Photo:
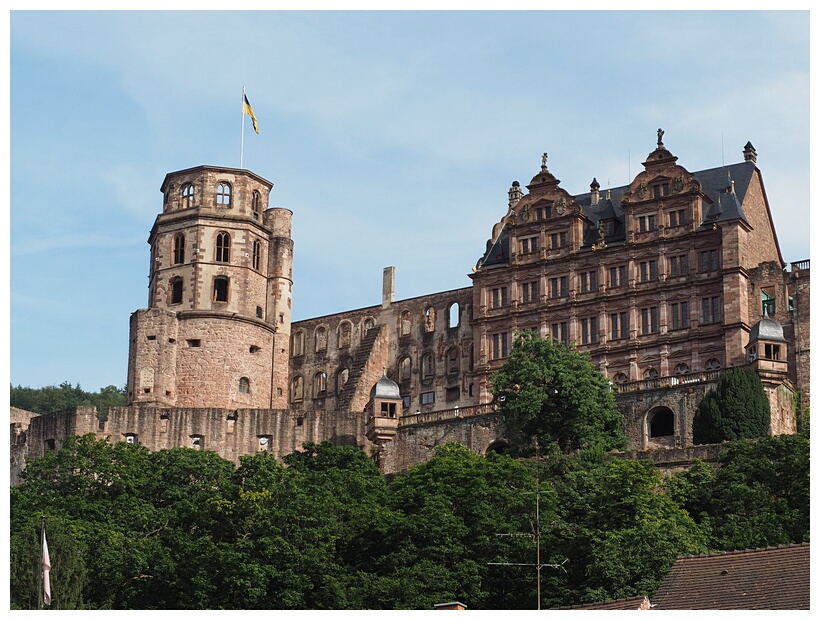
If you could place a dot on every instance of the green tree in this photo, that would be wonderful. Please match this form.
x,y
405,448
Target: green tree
x,y
554,394
57,398
757,497
736,409
618,528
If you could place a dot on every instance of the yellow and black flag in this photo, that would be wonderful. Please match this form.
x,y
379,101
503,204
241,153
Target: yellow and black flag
x,y
249,111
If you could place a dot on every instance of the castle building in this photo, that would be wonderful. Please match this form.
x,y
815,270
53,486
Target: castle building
x,y
665,282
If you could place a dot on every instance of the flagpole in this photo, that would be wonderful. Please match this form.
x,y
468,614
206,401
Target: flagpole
x,y
40,563
242,138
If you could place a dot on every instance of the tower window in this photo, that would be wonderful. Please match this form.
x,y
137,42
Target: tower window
x,y
179,248
257,253
258,312
223,194
176,290
244,385
187,196
223,247
221,288
255,208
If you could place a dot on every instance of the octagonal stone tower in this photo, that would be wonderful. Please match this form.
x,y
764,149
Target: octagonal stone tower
x,y
216,332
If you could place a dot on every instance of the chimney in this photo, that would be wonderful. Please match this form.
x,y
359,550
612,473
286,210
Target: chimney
x,y
455,605
749,153
388,286
515,194
595,196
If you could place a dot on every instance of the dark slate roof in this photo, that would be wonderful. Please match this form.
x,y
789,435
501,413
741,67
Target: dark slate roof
x,y
631,603
385,388
771,578
766,329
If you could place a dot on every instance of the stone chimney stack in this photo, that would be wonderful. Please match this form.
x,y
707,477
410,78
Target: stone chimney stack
x,y
515,194
749,153
388,286
595,196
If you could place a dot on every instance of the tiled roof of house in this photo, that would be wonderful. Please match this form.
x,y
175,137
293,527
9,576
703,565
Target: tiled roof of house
x,y
771,578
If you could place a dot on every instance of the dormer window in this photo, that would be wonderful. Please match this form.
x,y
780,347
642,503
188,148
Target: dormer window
x,y
661,189
223,194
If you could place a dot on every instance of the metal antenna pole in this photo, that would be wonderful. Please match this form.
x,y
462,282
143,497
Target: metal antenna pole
x,y
242,138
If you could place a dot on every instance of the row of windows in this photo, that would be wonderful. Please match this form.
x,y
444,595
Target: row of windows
x,y
618,325
587,281
428,366
220,292
405,325
297,344
224,193
222,250
319,386
648,223
680,369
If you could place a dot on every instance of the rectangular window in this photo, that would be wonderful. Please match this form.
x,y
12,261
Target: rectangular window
x,y
589,281
559,287
500,346
428,398
710,309
529,245
646,223
678,266
677,218
617,276
589,330
562,239
529,292
662,189
500,299
618,326
539,214
708,261
680,315
649,271
649,321
560,332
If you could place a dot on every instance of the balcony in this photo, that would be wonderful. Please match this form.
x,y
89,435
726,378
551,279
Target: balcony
x,y
443,415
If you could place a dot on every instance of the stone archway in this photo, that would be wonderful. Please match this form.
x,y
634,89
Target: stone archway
x,y
660,427
499,446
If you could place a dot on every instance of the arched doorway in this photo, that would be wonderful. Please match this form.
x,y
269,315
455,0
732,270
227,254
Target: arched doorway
x,y
499,446
660,426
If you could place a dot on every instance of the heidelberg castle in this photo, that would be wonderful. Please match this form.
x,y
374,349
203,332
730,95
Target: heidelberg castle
x,y
665,282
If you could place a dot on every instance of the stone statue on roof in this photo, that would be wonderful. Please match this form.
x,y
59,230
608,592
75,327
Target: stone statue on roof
x,y
544,160
660,136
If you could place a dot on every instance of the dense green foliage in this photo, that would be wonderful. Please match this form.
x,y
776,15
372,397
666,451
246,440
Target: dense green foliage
x,y
736,409
552,393
758,497
56,398
186,529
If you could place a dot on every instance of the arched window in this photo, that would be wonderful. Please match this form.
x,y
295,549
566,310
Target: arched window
x,y
453,315
179,248
368,325
406,323
345,329
244,385
712,364
223,247
257,253
223,194
341,379
620,378
405,367
320,339
176,290
221,288
650,373
297,346
681,369
430,319
319,384
452,361
428,369
297,390
255,204
187,196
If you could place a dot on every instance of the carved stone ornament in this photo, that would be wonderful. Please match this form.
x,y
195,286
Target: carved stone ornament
x,y
677,183
561,206
641,191
525,214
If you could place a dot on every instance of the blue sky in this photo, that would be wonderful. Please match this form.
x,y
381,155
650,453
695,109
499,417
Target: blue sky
x,y
392,136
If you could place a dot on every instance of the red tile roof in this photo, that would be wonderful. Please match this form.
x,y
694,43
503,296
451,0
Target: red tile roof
x,y
771,578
